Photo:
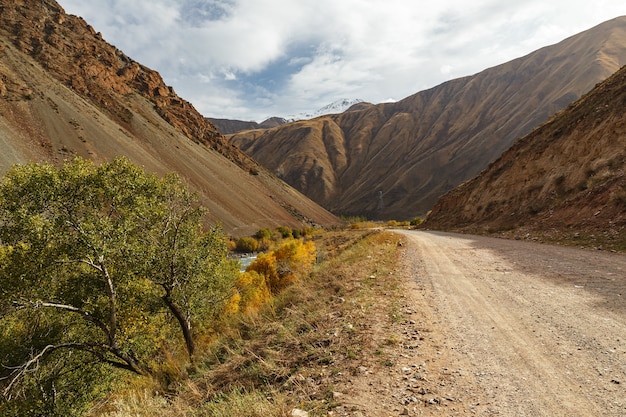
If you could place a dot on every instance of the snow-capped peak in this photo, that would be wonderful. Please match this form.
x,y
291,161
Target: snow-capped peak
x,y
335,107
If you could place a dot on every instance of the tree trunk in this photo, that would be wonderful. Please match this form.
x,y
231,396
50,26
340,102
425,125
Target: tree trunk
x,y
183,321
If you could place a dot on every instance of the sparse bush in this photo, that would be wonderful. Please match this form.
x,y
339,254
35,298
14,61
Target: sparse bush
x,y
284,265
247,244
263,234
284,231
417,221
363,225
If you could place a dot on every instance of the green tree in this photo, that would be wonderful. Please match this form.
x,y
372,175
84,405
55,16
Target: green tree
x,y
95,261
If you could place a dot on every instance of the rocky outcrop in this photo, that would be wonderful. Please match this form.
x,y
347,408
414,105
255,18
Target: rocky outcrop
x,y
74,53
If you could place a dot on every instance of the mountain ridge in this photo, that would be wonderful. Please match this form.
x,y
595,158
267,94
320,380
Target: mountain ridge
x,y
231,126
414,150
566,180
338,106
65,92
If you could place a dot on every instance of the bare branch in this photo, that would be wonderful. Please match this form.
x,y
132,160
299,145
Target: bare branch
x,y
65,307
88,261
32,365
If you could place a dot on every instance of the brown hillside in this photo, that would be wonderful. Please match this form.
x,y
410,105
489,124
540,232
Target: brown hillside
x,y
228,126
64,91
567,179
415,150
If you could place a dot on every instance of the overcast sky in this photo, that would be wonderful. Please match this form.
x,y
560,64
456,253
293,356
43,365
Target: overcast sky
x,y
252,59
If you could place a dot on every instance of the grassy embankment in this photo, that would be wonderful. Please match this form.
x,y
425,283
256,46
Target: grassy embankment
x,y
296,350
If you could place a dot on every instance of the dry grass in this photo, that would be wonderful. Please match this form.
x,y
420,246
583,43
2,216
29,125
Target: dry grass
x,y
293,353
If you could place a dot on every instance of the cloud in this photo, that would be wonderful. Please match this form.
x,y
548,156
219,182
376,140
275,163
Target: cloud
x,y
251,59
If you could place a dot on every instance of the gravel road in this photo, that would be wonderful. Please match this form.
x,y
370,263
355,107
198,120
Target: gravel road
x,y
536,330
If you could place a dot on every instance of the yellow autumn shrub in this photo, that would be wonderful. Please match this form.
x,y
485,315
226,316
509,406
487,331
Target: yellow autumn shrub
x,y
283,266
252,292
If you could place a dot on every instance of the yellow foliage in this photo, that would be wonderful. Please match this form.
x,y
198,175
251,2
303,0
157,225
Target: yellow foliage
x,y
253,291
232,306
247,244
285,265
265,266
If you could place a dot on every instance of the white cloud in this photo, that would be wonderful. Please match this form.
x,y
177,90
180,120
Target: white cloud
x,y
250,59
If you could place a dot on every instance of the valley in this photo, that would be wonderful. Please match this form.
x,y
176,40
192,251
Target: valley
x,y
376,322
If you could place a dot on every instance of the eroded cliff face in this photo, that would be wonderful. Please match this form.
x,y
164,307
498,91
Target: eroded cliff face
x,y
74,53
565,180
413,151
64,91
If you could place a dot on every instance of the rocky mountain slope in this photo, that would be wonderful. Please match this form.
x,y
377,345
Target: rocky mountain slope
x,y
229,126
395,160
565,180
64,91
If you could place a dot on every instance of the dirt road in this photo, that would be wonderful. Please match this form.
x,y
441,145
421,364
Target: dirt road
x,y
527,329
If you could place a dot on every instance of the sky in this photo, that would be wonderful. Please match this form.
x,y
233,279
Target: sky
x,y
253,59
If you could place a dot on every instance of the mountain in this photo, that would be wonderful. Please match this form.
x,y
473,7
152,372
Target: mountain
x,y
335,107
565,180
228,126
394,160
64,91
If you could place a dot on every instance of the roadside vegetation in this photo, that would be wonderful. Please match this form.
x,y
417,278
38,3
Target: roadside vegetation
x,y
116,301
291,353
361,222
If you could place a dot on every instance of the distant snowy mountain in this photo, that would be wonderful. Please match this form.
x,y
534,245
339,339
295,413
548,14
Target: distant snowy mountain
x,y
338,106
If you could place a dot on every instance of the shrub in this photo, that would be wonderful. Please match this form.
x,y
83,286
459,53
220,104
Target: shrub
x,y
247,244
416,221
284,231
250,295
284,265
263,234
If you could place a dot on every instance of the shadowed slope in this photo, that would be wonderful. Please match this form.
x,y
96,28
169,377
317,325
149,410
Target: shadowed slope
x,y
415,150
567,179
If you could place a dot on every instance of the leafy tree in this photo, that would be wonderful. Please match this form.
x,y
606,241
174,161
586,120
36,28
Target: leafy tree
x,y
95,261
